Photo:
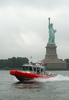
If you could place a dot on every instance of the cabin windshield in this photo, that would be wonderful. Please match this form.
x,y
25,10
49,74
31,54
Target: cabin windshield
x,y
42,70
27,68
38,69
34,68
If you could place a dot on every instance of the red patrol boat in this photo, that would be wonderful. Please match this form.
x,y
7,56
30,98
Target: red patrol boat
x,y
30,72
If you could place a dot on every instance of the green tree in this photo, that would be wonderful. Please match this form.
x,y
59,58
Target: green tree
x,y
67,60
13,62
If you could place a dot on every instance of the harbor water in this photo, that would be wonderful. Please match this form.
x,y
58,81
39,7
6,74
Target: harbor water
x,y
39,89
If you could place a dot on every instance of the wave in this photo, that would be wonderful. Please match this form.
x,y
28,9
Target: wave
x,y
57,78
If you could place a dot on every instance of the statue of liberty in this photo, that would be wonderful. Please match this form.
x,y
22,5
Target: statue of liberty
x,y
51,39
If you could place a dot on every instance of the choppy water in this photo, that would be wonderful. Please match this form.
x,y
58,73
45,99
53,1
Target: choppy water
x,y
42,89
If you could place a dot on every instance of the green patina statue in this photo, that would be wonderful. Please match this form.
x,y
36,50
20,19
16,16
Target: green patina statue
x,y
51,39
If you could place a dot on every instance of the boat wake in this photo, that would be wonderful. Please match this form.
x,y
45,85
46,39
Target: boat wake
x,y
57,78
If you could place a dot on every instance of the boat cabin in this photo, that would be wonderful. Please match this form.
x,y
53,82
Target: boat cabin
x,y
35,69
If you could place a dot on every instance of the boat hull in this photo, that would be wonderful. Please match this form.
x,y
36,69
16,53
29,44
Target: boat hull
x,y
22,76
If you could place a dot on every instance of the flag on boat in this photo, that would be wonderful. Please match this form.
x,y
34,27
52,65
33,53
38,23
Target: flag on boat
x,y
30,57
43,63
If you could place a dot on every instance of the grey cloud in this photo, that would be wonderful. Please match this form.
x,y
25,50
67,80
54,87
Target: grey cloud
x,y
29,18
50,4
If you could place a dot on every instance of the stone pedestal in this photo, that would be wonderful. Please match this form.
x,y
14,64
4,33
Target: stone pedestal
x,y
51,58
51,52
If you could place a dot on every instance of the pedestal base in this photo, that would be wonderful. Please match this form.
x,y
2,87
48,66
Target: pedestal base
x,y
51,59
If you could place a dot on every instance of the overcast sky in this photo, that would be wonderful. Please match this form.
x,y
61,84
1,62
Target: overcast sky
x,y
24,28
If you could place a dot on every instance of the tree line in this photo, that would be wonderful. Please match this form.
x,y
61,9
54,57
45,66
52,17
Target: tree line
x,y
13,62
67,60
16,62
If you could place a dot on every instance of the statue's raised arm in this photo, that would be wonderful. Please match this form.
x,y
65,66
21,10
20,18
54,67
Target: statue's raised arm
x,y
51,39
49,22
